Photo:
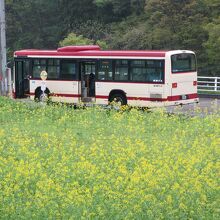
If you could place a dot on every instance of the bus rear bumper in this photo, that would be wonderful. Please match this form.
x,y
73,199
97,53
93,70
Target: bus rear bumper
x,y
185,102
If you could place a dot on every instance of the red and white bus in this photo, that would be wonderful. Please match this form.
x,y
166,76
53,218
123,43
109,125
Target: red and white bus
x,y
80,74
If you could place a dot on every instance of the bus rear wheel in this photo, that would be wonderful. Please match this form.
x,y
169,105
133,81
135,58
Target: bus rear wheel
x,y
118,100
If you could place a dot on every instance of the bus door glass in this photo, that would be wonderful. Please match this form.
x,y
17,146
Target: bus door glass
x,y
88,70
22,86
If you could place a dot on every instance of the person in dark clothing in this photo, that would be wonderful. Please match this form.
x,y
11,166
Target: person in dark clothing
x,y
91,84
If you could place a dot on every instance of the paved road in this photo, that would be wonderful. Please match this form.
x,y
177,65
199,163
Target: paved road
x,y
205,105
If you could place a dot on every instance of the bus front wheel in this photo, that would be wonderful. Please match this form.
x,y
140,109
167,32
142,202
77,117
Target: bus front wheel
x,y
118,99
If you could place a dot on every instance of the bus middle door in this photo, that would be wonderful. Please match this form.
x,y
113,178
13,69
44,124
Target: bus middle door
x,y
87,71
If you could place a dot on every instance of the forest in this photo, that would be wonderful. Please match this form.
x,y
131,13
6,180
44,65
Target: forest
x,y
114,24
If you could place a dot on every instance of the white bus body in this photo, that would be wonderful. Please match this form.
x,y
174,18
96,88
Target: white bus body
x,y
175,73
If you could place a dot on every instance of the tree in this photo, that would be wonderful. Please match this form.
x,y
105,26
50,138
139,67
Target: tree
x,y
125,24
73,39
122,8
214,8
33,24
183,21
76,12
212,46
92,29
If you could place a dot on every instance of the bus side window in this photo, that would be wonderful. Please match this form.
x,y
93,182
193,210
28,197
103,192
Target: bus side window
x,y
38,66
105,70
68,70
138,71
53,69
155,71
121,70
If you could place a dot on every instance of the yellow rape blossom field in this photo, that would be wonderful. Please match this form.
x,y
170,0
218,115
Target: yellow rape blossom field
x,y
57,162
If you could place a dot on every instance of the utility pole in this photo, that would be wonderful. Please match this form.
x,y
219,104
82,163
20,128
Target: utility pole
x,y
3,60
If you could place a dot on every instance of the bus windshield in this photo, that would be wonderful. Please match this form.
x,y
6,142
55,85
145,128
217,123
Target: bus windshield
x,y
185,62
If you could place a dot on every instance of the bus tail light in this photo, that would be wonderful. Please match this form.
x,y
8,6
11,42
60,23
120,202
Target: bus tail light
x,y
195,83
174,85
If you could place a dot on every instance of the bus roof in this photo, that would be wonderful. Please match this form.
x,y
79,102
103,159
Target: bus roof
x,y
88,51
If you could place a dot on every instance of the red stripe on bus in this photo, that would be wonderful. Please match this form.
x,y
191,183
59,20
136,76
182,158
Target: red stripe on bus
x,y
66,95
179,97
146,99
169,98
62,95
128,82
92,53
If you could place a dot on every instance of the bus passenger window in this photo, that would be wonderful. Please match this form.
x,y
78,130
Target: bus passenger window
x,y
138,74
53,72
121,70
154,75
38,66
155,71
138,71
68,70
105,70
53,69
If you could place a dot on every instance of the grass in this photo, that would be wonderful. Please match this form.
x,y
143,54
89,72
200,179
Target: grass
x,y
209,92
61,163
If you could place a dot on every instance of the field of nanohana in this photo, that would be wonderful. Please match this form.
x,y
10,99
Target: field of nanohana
x,y
57,162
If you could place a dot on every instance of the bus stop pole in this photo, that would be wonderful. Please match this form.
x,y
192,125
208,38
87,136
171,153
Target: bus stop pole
x,y
3,59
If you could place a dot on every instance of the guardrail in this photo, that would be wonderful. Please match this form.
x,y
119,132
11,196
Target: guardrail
x,y
208,84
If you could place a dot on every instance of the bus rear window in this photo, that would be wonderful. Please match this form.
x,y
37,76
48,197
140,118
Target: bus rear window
x,y
183,63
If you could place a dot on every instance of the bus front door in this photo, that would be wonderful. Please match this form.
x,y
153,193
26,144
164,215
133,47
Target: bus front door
x,y
87,70
22,86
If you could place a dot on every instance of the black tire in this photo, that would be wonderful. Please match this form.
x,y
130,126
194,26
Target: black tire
x,y
118,98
